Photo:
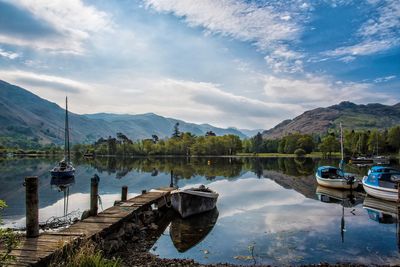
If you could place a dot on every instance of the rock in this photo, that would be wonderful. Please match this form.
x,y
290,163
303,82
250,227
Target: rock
x,y
117,235
153,226
111,245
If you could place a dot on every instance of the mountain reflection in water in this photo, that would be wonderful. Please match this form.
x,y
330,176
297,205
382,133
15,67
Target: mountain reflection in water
x,y
268,204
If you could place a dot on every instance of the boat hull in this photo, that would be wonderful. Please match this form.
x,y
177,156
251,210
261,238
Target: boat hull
x,y
62,174
380,192
188,202
336,183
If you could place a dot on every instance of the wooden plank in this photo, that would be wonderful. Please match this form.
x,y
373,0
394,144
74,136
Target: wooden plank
x,y
101,220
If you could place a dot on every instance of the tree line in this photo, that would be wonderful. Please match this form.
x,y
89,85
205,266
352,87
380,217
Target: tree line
x,y
180,143
361,142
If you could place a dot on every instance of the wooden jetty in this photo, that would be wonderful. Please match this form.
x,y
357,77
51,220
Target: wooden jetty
x,y
38,251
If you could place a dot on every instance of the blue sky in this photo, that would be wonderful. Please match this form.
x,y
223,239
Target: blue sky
x,y
247,64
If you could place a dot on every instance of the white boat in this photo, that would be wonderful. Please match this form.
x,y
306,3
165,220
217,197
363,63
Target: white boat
x,y
382,184
335,177
192,201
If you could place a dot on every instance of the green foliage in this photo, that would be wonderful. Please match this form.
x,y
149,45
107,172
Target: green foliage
x,y
300,152
93,260
329,144
86,256
8,241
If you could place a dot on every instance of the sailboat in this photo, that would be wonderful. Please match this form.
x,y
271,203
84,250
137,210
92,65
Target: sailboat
x,y
336,177
65,168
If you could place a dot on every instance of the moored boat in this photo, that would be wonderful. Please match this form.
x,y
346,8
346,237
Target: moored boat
x,y
64,168
192,201
330,176
382,183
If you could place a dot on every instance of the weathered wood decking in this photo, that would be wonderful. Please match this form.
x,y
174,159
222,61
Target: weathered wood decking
x,y
37,251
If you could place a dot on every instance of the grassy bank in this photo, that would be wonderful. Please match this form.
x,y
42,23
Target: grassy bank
x,y
282,155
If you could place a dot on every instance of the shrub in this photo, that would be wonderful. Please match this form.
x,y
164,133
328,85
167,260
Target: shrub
x,y
299,152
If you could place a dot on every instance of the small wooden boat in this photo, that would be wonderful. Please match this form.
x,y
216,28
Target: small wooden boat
x,y
334,177
192,201
64,168
362,160
382,183
381,160
187,233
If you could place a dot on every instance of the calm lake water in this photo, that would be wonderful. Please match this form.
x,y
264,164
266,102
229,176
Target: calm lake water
x,y
270,211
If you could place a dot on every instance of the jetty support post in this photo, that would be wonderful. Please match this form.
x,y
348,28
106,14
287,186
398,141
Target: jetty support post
x,y
94,194
171,183
398,192
32,206
124,193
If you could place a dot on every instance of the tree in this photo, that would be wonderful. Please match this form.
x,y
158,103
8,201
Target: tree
x,y
155,138
299,152
210,133
257,142
176,133
394,138
306,143
329,144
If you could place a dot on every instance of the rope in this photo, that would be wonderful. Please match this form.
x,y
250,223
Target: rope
x,y
100,202
166,202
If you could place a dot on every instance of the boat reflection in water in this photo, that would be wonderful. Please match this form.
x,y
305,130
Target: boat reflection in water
x,y
384,212
62,185
345,198
187,233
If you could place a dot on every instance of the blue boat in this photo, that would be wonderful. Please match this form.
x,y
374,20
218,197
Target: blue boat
x,y
64,168
382,182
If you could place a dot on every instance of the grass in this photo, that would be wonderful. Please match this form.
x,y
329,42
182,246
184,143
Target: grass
x,y
87,255
282,155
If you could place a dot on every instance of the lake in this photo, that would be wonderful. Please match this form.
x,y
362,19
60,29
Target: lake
x,y
270,210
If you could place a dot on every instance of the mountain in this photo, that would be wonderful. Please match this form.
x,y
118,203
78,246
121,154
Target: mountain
x,y
25,115
353,116
144,125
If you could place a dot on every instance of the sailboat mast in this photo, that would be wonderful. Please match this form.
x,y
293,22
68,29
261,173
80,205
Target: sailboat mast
x,y
341,141
67,149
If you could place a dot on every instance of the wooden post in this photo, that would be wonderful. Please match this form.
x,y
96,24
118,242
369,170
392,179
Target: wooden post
x,y
398,192
144,191
94,193
124,193
32,206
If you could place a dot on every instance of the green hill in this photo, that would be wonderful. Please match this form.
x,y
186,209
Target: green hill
x,y
353,116
27,116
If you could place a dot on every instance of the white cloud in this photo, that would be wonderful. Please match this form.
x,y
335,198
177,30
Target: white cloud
x,y
384,79
317,91
267,25
367,47
284,60
263,25
37,82
380,33
9,54
73,20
